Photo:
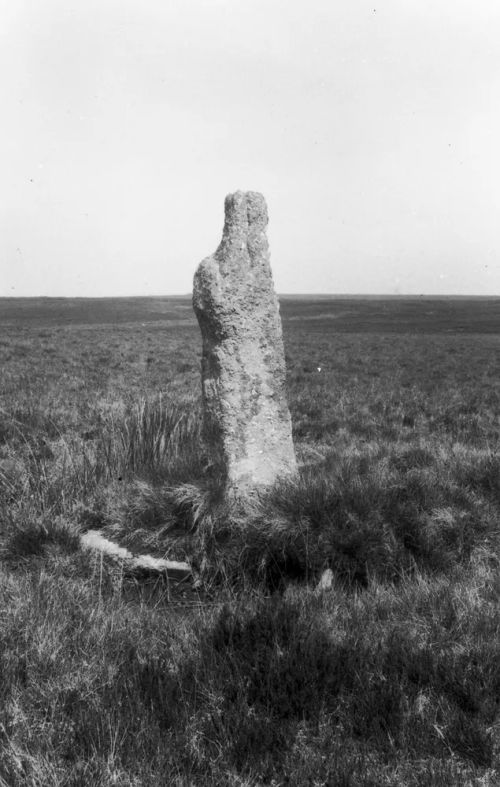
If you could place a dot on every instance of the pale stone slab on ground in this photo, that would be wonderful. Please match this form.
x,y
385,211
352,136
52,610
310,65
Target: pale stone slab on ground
x,y
175,570
326,581
247,420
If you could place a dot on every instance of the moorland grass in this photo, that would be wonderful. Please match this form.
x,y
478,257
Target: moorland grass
x,y
392,677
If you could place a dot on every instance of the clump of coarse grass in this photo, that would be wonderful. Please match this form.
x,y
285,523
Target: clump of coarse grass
x,y
156,518
479,470
363,517
24,539
116,479
381,511
157,439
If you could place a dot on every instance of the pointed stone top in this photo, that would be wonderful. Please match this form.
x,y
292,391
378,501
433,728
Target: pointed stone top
x,y
245,223
248,205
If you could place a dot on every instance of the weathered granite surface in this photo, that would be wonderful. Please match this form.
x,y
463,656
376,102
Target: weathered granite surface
x,y
247,419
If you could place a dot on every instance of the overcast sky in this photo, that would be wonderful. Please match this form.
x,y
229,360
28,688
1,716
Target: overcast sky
x,y
372,129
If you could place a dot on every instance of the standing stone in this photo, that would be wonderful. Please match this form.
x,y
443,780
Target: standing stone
x,y
247,420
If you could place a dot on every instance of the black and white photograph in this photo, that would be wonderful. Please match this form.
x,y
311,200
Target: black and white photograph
x,y
250,393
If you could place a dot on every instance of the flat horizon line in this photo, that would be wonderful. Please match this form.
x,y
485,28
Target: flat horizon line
x,y
290,295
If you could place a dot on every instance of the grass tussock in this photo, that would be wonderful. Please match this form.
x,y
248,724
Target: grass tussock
x,y
379,519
